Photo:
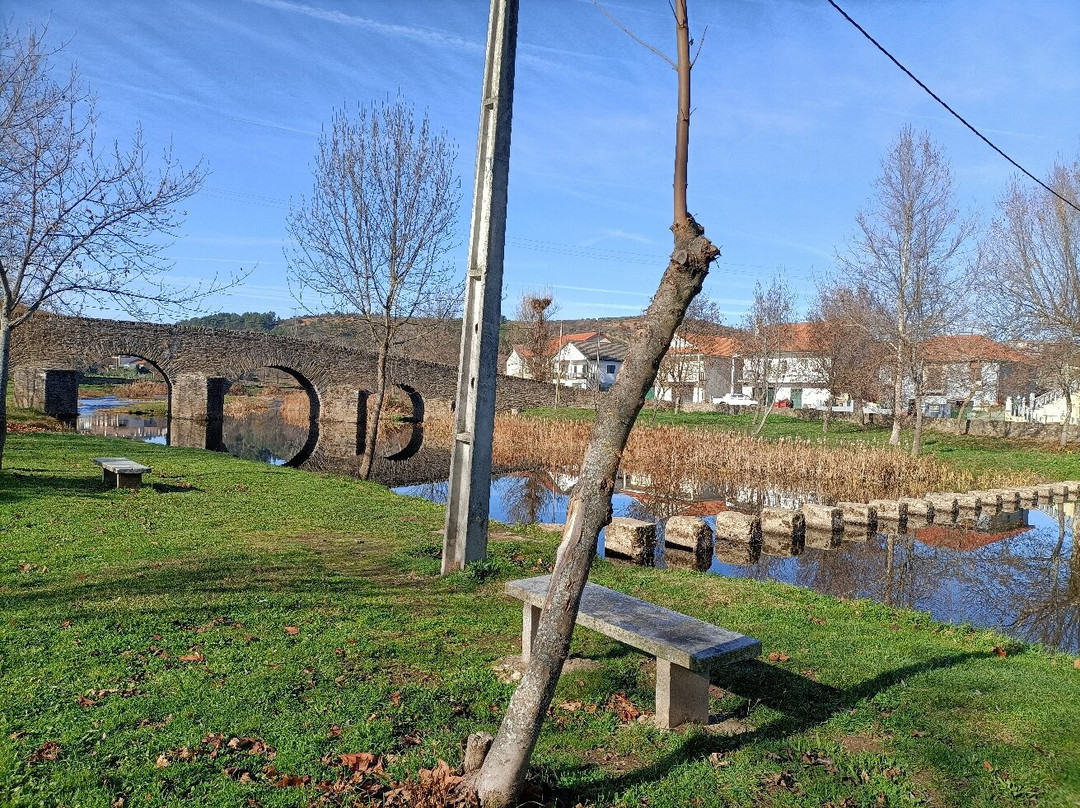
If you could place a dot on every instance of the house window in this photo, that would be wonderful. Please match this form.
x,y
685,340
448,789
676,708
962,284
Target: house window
x,y
610,368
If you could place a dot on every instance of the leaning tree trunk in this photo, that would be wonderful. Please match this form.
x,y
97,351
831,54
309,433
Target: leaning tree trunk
x,y
590,509
371,433
499,780
5,371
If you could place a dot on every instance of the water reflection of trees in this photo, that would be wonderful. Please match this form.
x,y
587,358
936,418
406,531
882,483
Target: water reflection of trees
x,y
529,496
1027,584
263,435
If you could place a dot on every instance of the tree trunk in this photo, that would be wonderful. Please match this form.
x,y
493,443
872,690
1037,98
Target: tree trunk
x,y
764,415
825,416
1064,437
375,412
499,780
960,415
5,374
916,441
590,509
898,395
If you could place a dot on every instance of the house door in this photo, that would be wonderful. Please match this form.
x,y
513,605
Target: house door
x,y
796,398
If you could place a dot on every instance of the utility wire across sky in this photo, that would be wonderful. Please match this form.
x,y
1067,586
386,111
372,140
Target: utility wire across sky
x,y
951,111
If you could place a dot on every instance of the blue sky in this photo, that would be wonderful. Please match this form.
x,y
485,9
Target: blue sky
x,y
793,111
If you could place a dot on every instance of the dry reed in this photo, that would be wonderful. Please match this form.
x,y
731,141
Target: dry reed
x,y
144,388
678,460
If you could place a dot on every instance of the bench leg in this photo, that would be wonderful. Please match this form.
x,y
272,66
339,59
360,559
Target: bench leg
x,y
530,619
109,478
129,480
682,697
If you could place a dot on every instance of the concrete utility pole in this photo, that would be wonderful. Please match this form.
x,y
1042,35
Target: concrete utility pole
x,y
474,411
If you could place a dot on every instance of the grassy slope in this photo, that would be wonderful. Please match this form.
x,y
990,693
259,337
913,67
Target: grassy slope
x,y
305,610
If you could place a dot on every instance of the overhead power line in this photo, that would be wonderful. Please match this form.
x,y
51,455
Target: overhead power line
x,y
951,111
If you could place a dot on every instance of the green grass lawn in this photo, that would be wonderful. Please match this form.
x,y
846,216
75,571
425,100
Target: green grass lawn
x,y
225,634
966,452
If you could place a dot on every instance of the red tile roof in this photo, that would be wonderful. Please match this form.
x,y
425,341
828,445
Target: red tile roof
x,y
968,347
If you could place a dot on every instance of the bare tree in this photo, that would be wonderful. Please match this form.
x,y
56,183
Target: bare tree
x,y
684,366
765,324
909,252
503,771
847,358
532,334
1032,255
80,222
373,236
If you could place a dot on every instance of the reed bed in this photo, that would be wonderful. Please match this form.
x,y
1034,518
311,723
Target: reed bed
x,y
676,461
296,408
138,389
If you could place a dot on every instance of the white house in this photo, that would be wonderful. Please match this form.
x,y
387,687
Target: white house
x,y
697,368
967,367
587,360
794,372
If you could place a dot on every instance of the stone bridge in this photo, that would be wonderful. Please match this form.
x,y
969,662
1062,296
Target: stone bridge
x,y
199,364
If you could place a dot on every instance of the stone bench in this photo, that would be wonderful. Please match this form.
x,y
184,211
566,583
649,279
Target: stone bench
x,y
119,472
686,649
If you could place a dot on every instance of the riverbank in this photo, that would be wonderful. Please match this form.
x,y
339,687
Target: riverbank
x,y
302,615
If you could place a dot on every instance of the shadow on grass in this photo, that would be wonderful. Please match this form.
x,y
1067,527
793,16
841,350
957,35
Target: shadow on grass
x,y
801,702
26,484
208,578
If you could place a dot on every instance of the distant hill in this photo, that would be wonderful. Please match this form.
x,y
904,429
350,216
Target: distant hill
x,y
435,341
248,321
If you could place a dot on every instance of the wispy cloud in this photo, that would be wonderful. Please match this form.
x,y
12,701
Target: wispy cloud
x,y
270,125
427,36
588,304
600,291
619,234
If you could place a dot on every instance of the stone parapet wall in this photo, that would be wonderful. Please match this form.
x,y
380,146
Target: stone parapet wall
x,y
57,342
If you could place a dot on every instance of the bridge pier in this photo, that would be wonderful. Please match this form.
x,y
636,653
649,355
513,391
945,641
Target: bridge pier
x,y
342,417
196,411
55,392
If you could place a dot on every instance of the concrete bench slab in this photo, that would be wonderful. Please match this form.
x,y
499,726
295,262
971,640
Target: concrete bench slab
x,y
119,472
686,649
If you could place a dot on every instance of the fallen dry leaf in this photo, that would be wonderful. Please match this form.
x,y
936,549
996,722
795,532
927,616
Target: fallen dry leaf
x,y
623,708
1076,664
778,656
999,652
161,762
292,630
358,762
48,751
65,624
82,701
988,765
195,657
